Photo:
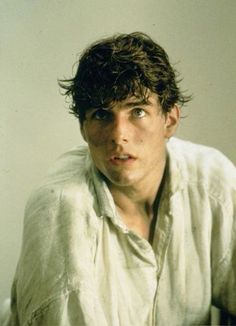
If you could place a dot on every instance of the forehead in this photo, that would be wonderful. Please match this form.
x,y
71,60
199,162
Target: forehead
x,y
134,100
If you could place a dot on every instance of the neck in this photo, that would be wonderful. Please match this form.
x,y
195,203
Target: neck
x,y
141,197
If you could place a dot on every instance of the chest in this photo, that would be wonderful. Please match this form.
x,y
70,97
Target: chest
x,y
139,224
165,283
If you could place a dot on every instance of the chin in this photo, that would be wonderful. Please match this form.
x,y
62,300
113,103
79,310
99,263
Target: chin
x,y
121,181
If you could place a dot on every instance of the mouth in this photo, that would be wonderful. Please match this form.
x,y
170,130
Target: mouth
x,y
122,158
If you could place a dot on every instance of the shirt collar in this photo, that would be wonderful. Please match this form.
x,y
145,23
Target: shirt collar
x,y
175,175
105,199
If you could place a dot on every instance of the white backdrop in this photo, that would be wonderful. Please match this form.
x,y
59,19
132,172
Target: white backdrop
x,y
40,40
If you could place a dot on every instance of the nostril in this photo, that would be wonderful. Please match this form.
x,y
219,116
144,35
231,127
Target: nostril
x,y
118,141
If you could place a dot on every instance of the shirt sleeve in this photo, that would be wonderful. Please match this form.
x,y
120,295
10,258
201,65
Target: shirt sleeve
x,y
53,281
224,242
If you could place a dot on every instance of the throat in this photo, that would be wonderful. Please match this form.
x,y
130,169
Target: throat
x,y
140,216
138,223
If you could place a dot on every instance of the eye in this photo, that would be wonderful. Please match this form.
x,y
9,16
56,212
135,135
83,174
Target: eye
x,y
138,113
101,114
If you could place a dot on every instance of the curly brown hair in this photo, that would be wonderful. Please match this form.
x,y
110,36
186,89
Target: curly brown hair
x,y
120,66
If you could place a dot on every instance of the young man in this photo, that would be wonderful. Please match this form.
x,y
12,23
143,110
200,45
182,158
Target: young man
x,y
136,228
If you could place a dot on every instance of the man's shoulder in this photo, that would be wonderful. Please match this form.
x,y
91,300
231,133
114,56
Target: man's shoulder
x,y
61,206
75,163
68,180
199,162
188,149
66,197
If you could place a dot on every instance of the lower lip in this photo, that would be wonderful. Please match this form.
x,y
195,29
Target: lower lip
x,y
122,162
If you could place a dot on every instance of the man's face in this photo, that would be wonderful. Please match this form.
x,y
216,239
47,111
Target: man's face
x,y
128,141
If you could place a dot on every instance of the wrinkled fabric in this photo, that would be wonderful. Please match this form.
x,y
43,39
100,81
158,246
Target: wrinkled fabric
x,y
80,265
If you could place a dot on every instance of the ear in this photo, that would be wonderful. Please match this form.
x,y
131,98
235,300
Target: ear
x,y
171,121
83,131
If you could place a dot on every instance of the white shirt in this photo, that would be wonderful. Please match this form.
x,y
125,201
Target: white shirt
x,y
80,265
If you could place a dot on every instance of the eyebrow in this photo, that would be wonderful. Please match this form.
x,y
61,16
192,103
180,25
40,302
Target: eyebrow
x,y
128,105
138,102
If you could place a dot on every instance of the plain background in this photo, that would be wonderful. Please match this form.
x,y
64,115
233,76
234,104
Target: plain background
x,y
40,41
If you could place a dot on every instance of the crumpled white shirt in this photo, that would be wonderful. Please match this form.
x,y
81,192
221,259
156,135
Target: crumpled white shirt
x,y
80,265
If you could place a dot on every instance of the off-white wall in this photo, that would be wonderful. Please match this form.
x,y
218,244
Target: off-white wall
x,y
40,40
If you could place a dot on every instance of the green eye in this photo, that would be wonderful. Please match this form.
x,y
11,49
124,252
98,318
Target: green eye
x,y
138,113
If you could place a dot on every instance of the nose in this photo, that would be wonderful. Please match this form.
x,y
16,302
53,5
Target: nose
x,y
119,133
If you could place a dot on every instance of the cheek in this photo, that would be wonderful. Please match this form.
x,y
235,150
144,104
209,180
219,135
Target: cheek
x,y
96,137
151,132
